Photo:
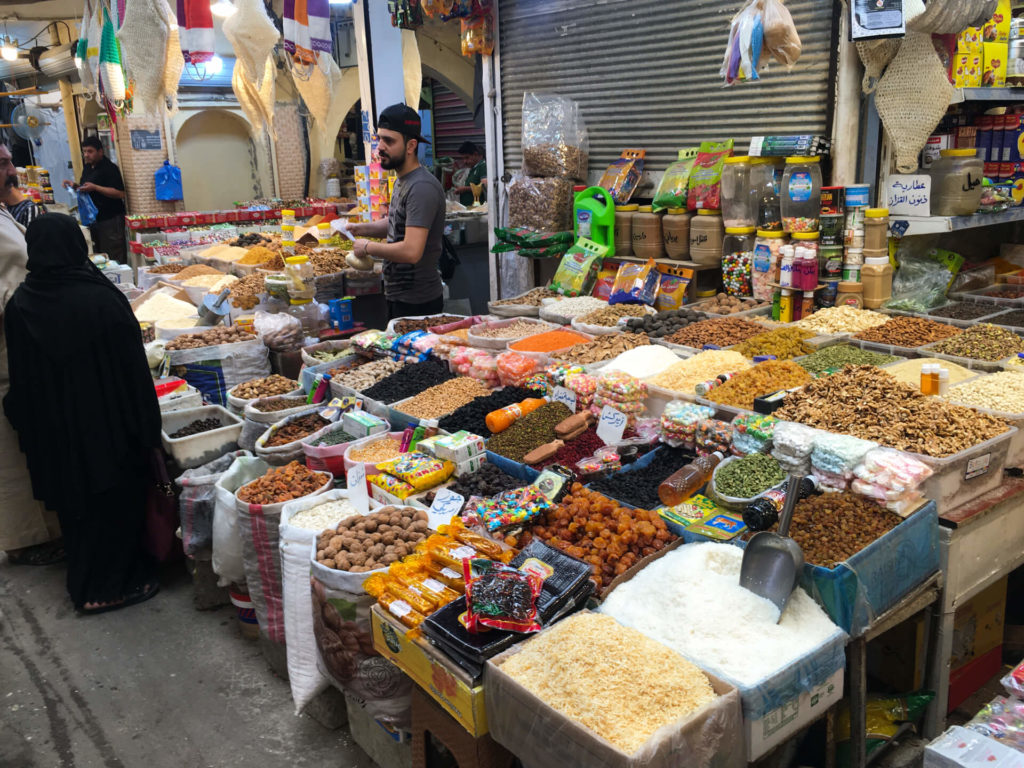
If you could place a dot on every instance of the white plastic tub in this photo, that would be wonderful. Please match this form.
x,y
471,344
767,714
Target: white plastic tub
x,y
195,450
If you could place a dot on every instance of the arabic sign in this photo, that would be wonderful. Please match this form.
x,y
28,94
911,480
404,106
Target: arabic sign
x,y
909,194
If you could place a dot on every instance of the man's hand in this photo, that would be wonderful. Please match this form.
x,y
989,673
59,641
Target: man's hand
x,y
357,229
68,184
460,190
88,187
359,247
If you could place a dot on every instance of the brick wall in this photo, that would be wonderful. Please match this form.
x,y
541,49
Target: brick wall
x,y
138,166
291,152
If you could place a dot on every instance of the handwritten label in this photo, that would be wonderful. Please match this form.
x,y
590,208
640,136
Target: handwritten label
x,y
909,194
566,396
357,494
611,426
446,505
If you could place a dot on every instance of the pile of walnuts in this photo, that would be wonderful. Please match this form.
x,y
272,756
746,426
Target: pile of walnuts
x,y
366,543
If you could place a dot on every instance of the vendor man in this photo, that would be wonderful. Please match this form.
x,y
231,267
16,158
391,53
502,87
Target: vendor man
x,y
102,180
472,158
415,223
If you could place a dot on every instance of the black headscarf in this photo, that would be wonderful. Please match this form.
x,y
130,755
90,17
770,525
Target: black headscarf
x,y
81,396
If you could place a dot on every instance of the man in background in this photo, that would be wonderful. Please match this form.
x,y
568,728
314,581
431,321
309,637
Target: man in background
x,y
102,180
472,158
22,208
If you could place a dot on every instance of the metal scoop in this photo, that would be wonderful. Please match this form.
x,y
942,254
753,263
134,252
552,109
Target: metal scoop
x,y
772,562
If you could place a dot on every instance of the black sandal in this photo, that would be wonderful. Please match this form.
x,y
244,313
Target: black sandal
x,y
134,597
50,553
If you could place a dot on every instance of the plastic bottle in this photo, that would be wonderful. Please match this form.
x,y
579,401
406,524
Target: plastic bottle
x,y
687,480
762,514
926,379
943,380
503,418
786,266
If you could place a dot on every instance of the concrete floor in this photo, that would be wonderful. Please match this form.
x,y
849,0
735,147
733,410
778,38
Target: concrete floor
x,y
157,685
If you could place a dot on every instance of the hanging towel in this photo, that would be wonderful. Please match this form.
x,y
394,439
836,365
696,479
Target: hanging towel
x,y
307,29
195,28
252,36
143,36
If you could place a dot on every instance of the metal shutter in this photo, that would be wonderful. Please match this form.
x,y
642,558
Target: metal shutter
x,y
453,122
645,74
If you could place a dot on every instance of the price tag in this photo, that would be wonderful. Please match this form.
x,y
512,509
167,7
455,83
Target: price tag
x,y
566,396
446,505
611,426
357,493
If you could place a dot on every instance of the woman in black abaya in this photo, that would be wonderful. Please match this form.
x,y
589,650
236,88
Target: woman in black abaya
x,y
83,404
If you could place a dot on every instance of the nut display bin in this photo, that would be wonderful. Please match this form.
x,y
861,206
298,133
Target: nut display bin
x,y
966,475
984,295
990,366
930,315
195,450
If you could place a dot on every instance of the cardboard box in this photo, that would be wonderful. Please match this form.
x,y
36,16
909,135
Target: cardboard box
x,y
994,65
967,70
969,41
469,465
960,747
459,447
978,625
542,737
793,716
447,684
997,29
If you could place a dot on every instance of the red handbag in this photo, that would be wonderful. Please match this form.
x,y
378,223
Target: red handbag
x,y
160,539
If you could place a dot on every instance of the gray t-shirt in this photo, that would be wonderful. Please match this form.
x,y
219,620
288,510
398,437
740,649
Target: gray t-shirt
x,y
418,201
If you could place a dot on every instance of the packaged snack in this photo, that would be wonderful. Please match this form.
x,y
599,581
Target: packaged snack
x,y
393,485
635,284
675,282
477,35
578,268
418,470
540,204
500,597
508,509
606,280
446,552
671,191
515,368
521,237
622,176
487,548
377,587
705,186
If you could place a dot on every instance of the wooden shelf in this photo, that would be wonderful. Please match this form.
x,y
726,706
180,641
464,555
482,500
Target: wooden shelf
x,y
669,262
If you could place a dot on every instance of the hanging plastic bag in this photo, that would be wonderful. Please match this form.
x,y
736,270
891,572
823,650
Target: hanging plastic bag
x,y
922,280
477,36
86,209
167,180
781,40
554,137
743,52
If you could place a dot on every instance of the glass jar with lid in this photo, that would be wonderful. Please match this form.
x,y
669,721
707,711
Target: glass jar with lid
x,y
737,200
801,194
956,182
647,238
706,234
850,293
623,236
764,192
767,255
738,260
675,229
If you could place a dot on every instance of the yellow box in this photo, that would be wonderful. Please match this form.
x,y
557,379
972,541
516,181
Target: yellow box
x,y
969,41
994,65
967,70
431,670
997,29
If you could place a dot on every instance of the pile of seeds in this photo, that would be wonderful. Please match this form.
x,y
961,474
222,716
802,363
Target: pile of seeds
x,y
471,416
516,329
784,343
409,381
273,406
840,355
982,342
444,398
720,331
529,299
964,310
531,431
901,331
639,487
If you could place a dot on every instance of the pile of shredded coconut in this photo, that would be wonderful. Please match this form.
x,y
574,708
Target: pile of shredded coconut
x,y
691,601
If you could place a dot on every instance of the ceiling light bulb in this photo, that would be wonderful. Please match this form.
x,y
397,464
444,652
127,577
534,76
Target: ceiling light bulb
x,y
214,65
8,50
222,8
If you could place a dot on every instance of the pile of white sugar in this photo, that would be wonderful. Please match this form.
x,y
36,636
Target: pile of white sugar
x,y
691,601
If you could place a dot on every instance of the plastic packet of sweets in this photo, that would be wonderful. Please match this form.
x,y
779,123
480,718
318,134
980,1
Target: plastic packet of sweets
x,y
500,597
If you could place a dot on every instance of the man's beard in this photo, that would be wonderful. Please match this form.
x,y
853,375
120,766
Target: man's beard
x,y
11,182
391,163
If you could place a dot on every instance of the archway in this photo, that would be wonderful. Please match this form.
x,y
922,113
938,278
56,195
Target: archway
x,y
218,160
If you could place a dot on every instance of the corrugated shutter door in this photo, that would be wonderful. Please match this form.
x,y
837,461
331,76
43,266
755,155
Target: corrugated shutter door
x,y
453,122
645,74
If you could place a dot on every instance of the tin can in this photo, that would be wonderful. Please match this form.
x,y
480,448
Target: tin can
x,y
851,273
831,262
858,196
827,295
832,228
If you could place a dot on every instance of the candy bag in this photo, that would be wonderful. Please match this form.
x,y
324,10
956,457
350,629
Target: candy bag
x,y
605,280
418,470
671,191
393,485
578,268
508,509
675,282
622,176
500,597
635,284
705,186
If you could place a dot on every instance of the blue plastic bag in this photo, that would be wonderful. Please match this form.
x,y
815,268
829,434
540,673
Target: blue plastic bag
x,y
86,209
167,180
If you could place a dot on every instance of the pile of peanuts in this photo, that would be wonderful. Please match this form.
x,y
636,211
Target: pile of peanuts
x,y
444,398
908,332
265,387
720,331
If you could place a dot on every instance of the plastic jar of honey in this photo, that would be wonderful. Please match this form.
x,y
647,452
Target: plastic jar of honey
x,y
675,230
624,229
706,234
648,242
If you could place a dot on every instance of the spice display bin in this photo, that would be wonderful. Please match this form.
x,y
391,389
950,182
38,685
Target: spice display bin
x,y
930,314
994,320
637,466
516,469
988,366
196,450
857,591
543,737
966,475
981,295
782,704
398,417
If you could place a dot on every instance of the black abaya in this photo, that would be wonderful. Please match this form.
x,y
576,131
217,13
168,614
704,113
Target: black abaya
x,y
83,404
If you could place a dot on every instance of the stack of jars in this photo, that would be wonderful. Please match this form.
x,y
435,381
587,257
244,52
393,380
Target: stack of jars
x,y
876,274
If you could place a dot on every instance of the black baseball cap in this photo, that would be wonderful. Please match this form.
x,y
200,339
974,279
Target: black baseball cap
x,y
403,119
469,148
